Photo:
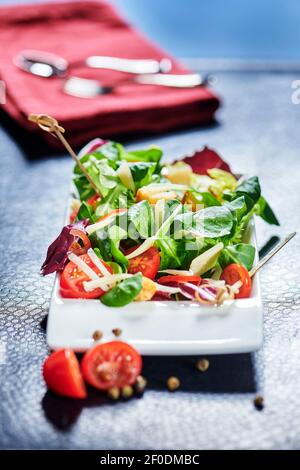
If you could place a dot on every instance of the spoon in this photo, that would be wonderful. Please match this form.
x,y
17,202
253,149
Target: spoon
x,y
47,65
273,252
87,88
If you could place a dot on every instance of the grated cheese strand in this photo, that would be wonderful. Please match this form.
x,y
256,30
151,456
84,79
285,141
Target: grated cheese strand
x,y
177,272
97,262
142,248
99,225
106,282
160,232
168,289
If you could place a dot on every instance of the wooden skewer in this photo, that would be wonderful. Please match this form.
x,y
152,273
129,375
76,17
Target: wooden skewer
x,y
49,124
273,252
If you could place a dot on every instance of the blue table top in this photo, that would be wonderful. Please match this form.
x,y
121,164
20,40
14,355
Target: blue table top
x,y
256,133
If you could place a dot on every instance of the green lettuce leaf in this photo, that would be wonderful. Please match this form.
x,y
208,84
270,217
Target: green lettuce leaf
x,y
213,222
152,154
85,213
140,220
119,197
242,253
142,173
124,292
263,209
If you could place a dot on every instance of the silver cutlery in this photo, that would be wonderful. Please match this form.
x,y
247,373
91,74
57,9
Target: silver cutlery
x,y
146,71
87,88
190,80
46,64
136,66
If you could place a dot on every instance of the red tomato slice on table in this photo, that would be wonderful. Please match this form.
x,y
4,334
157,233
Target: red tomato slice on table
x,y
236,272
72,278
147,263
62,374
178,279
113,364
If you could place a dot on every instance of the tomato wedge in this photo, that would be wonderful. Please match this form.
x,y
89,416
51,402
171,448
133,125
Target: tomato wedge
x,y
113,364
92,201
178,279
72,278
76,247
110,214
62,374
147,263
236,272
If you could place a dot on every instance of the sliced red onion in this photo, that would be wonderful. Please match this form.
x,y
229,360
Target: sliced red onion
x,y
159,295
92,146
188,290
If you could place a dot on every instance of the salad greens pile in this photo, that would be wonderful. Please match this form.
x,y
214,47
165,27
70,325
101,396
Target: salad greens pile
x,y
141,218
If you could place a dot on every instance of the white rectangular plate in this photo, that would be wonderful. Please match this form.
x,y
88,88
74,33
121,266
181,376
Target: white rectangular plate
x,y
160,328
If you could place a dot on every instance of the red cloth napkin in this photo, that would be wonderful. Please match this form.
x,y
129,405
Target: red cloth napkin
x,y
75,30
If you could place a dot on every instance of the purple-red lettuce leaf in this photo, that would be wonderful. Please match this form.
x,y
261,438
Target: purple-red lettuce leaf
x,y
57,253
205,159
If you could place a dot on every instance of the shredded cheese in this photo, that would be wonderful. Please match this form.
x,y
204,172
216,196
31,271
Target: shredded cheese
x,y
160,233
101,224
159,213
105,282
142,248
168,289
97,262
158,188
125,175
177,272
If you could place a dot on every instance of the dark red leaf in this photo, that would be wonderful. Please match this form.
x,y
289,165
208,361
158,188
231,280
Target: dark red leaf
x,y
203,160
57,253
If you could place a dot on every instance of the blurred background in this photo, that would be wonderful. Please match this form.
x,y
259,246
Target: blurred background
x,y
231,29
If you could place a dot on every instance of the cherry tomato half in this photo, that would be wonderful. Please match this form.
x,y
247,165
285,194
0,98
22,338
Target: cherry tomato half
x,y
62,374
147,263
72,278
236,272
178,279
113,364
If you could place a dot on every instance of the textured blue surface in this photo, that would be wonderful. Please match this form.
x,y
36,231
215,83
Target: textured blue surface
x,y
256,134
264,29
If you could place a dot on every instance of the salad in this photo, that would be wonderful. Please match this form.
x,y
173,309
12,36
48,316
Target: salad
x,y
141,230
